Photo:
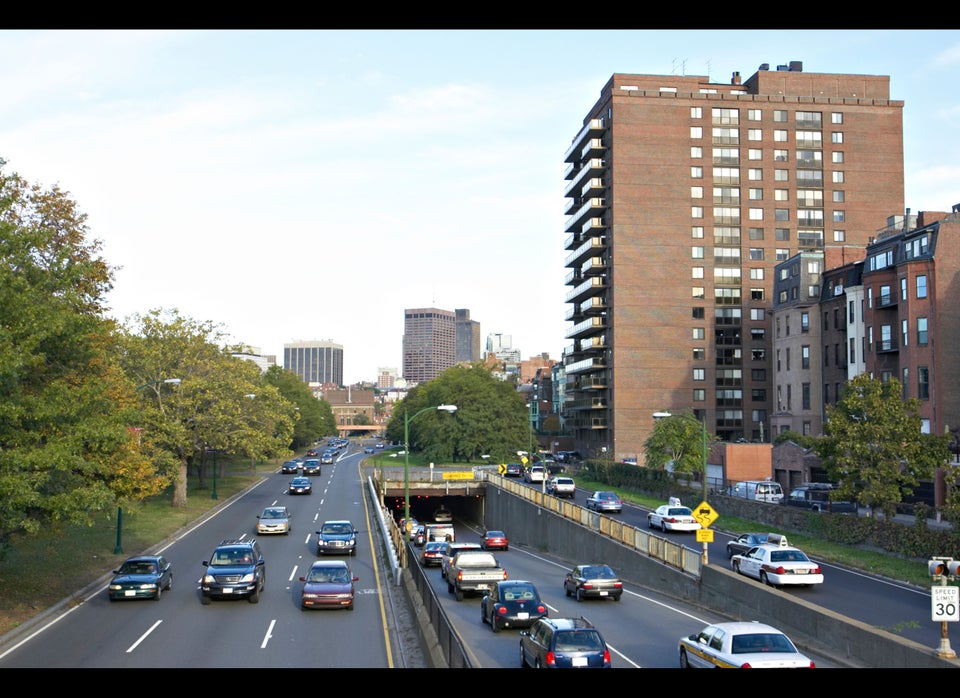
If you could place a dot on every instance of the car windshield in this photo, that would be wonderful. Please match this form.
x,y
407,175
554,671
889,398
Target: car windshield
x,y
494,534
232,556
610,496
788,556
598,572
274,514
140,567
330,575
336,529
680,511
519,592
761,642
580,641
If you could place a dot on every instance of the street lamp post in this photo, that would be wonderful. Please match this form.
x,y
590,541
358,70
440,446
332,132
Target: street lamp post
x,y
406,462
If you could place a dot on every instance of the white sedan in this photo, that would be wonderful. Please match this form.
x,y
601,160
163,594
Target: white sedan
x,y
778,565
741,645
669,517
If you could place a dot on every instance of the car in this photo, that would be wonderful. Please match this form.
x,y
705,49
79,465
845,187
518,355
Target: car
x,y
290,466
569,457
274,520
672,517
442,515
337,536
561,486
438,531
311,466
744,542
512,603
740,645
494,540
326,458
368,449
432,554
450,549
535,473
312,453
513,470
563,643
379,445
816,497
328,584
141,577
236,569
630,460
605,502
778,564
595,581
300,485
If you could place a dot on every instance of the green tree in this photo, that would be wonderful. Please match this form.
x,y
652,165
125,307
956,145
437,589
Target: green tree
x,y
873,446
677,441
314,417
65,450
491,417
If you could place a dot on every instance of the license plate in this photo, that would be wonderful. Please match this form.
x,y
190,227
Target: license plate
x,y
129,592
800,571
579,661
603,593
228,590
523,616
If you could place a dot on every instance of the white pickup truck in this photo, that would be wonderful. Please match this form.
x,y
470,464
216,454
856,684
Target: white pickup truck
x,y
473,571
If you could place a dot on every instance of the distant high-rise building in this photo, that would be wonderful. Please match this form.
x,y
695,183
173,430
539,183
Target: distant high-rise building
x,y
429,343
317,363
468,337
682,197
386,377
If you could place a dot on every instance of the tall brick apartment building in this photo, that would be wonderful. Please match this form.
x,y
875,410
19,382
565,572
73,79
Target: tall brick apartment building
x,y
682,196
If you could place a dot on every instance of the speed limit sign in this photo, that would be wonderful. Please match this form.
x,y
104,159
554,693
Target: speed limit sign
x,y
945,603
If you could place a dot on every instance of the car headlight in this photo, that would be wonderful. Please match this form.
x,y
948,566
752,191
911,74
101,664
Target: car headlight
x,y
208,579
247,578
115,587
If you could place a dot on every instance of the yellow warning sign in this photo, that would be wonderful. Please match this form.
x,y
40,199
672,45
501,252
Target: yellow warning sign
x,y
704,514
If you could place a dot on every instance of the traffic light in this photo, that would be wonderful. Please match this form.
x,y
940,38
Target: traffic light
x,y
943,567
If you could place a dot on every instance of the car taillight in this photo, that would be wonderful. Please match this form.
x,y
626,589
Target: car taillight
x,y
504,574
502,611
617,585
780,570
816,570
587,585
606,657
542,609
746,666
551,659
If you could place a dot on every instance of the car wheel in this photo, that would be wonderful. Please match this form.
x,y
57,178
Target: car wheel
x,y
159,592
663,527
649,523
506,548
579,595
617,597
170,583
204,599
350,607
765,579
483,613
459,593
736,566
523,658
255,595
353,552
495,624
684,662
566,590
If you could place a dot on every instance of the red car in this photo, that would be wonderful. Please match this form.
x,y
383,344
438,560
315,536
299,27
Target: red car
x,y
494,540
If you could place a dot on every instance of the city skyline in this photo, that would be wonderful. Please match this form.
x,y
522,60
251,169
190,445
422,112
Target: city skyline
x,y
224,169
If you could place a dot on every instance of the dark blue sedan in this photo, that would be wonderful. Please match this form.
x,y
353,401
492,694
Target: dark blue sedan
x,y
142,577
301,485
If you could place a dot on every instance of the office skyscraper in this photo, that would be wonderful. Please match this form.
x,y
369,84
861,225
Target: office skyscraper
x,y
468,337
682,196
429,343
319,363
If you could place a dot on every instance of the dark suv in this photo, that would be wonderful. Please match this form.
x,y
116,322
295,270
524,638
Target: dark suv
x,y
236,569
816,497
554,643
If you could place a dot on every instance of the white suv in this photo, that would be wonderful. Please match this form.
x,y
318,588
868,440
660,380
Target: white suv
x,y
535,473
561,486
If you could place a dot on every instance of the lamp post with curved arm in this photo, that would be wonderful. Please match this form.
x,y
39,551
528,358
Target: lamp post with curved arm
x,y
406,462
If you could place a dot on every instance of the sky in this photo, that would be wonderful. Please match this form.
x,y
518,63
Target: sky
x,y
299,185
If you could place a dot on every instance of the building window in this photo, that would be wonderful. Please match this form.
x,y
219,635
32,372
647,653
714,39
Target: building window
x,y
699,395
699,333
697,272
826,393
826,355
756,214
839,217
696,112
922,331
697,313
781,195
699,374
756,294
778,361
696,252
837,158
805,397
696,172
696,132
806,428
804,321
696,211
753,115
756,253
779,136
696,192
923,382
782,234
838,197
780,115
783,254
758,314
836,137
837,176
758,334
839,235
758,354
755,194
754,134
904,332
852,351
781,156
782,214
805,356
699,354
696,152
781,176
756,274
754,154
836,117
698,292
921,285
754,174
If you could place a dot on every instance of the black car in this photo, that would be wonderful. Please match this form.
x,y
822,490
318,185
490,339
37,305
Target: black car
x,y
290,467
512,603
513,470
745,541
141,577
816,497
592,582
562,643
236,569
300,485
311,466
337,537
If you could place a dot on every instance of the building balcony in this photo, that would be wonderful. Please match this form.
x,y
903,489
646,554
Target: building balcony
x,y
886,346
587,328
593,148
594,167
591,287
593,227
593,363
593,344
595,403
590,208
573,278
593,266
592,129
593,187
591,248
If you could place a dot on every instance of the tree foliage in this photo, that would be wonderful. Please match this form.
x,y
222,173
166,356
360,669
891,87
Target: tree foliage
x,y
677,441
314,417
65,451
491,417
873,446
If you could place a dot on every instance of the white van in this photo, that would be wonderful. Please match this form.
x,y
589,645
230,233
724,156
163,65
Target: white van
x,y
759,490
